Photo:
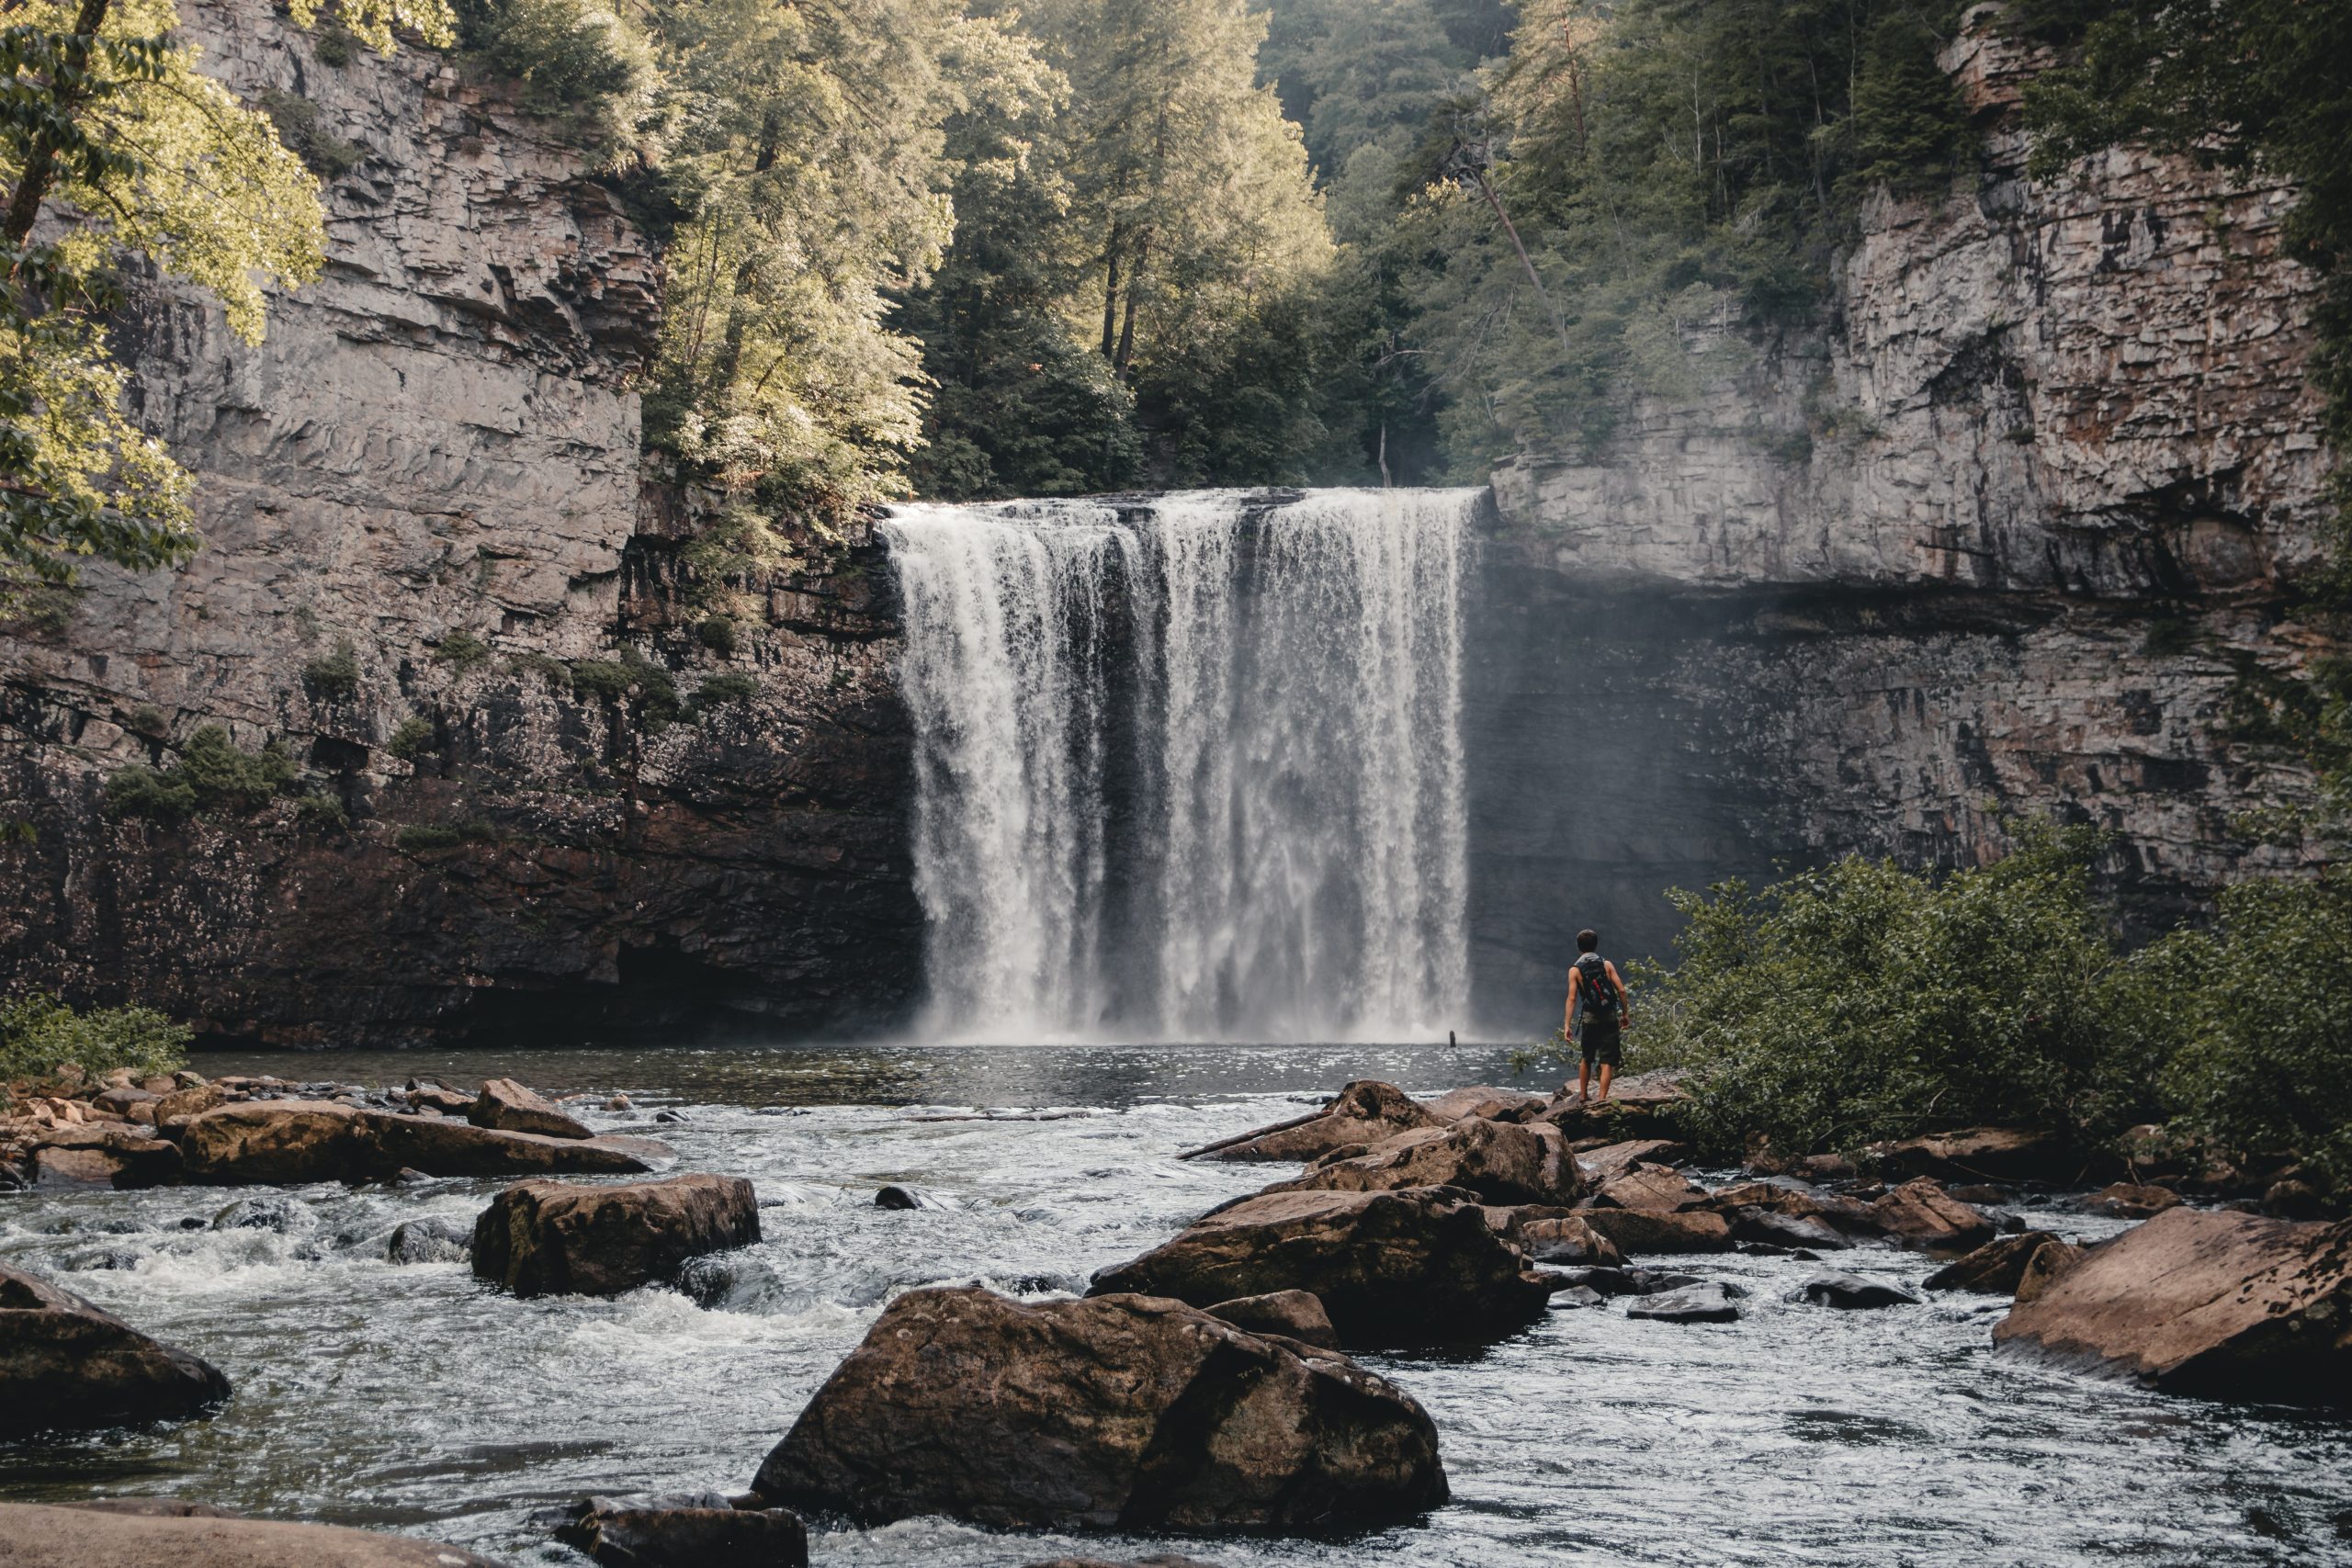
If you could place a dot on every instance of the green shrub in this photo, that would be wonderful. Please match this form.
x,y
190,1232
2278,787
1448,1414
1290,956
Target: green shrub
x,y
212,773
1865,1001
2261,1022
720,689
608,679
717,632
333,676
321,813
413,737
40,1035
552,670
419,837
329,156
143,792
222,775
611,679
461,650
147,719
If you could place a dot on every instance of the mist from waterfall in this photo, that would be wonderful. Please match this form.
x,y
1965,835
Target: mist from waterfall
x,y
1190,767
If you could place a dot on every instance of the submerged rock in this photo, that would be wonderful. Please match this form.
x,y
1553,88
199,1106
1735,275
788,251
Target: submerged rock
x,y
509,1107
685,1532
553,1238
1853,1292
2219,1303
431,1240
1419,1267
1297,1315
1500,1161
64,1363
1795,1231
1120,1412
1706,1303
149,1532
1993,1269
296,1142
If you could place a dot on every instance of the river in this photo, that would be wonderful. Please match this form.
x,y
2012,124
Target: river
x,y
416,1398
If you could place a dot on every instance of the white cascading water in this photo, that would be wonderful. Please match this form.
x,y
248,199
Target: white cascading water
x,y
1190,768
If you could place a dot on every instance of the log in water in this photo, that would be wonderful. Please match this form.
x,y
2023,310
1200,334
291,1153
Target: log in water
x,y
1190,767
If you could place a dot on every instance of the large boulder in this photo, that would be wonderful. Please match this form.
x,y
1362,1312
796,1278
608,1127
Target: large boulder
x,y
1636,1231
509,1107
1645,1107
64,1363
1553,1235
1854,1293
1501,1162
704,1531
1921,1213
1366,1111
557,1238
1294,1315
1419,1267
103,1153
1658,1187
1987,1154
1993,1269
1706,1302
159,1532
2194,1301
295,1141
1122,1412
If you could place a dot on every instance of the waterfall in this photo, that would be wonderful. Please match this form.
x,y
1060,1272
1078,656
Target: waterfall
x,y
1189,768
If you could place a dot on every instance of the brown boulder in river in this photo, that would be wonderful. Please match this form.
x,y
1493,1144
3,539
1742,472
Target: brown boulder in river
x,y
295,1141
1365,1111
63,1362
1295,1315
1987,1154
509,1107
1123,1412
2196,1302
1637,1231
1501,1162
1419,1267
1993,1269
559,1239
159,1532
1921,1213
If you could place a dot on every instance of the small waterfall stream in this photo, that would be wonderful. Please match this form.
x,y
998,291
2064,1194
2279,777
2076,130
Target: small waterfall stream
x,y
1190,768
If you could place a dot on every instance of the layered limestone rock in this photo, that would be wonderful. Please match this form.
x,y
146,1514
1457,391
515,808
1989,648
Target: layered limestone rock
x,y
424,513
1997,542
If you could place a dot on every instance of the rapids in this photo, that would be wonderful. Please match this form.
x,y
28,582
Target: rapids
x,y
416,1398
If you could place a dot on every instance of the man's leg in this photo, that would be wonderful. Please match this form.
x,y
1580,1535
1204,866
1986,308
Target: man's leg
x,y
1584,1075
1607,1072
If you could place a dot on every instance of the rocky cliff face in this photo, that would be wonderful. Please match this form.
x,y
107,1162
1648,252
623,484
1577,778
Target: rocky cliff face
x,y
1999,542
433,576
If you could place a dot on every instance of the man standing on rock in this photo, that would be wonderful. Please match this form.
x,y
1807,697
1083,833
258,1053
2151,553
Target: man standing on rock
x,y
1598,1001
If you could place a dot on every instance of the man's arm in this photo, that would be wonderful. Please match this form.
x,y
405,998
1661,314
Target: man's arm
x,y
1624,997
1568,1015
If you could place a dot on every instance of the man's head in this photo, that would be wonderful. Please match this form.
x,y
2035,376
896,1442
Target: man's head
x,y
1588,942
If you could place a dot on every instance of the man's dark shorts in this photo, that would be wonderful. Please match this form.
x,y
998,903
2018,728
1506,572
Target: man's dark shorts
x,y
1602,1043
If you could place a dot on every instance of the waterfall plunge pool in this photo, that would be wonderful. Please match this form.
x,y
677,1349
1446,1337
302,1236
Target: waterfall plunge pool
x,y
417,1398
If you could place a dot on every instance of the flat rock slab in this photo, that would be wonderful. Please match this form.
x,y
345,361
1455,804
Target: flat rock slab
x,y
1419,1267
2219,1303
1366,1111
1853,1292
1795,1231
1920,1214
1484,1100
1692,1304
2130,1200
1656,1188
1120,1412
64,1363
558,1239
1637,1231
158,1533
296,1142
1500,1161
1615,1159
510,1108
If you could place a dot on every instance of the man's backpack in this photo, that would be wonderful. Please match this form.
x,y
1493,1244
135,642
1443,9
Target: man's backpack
x,y
1596,998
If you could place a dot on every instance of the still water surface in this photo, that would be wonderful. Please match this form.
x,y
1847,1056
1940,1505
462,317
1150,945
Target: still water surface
x,y
416,1398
